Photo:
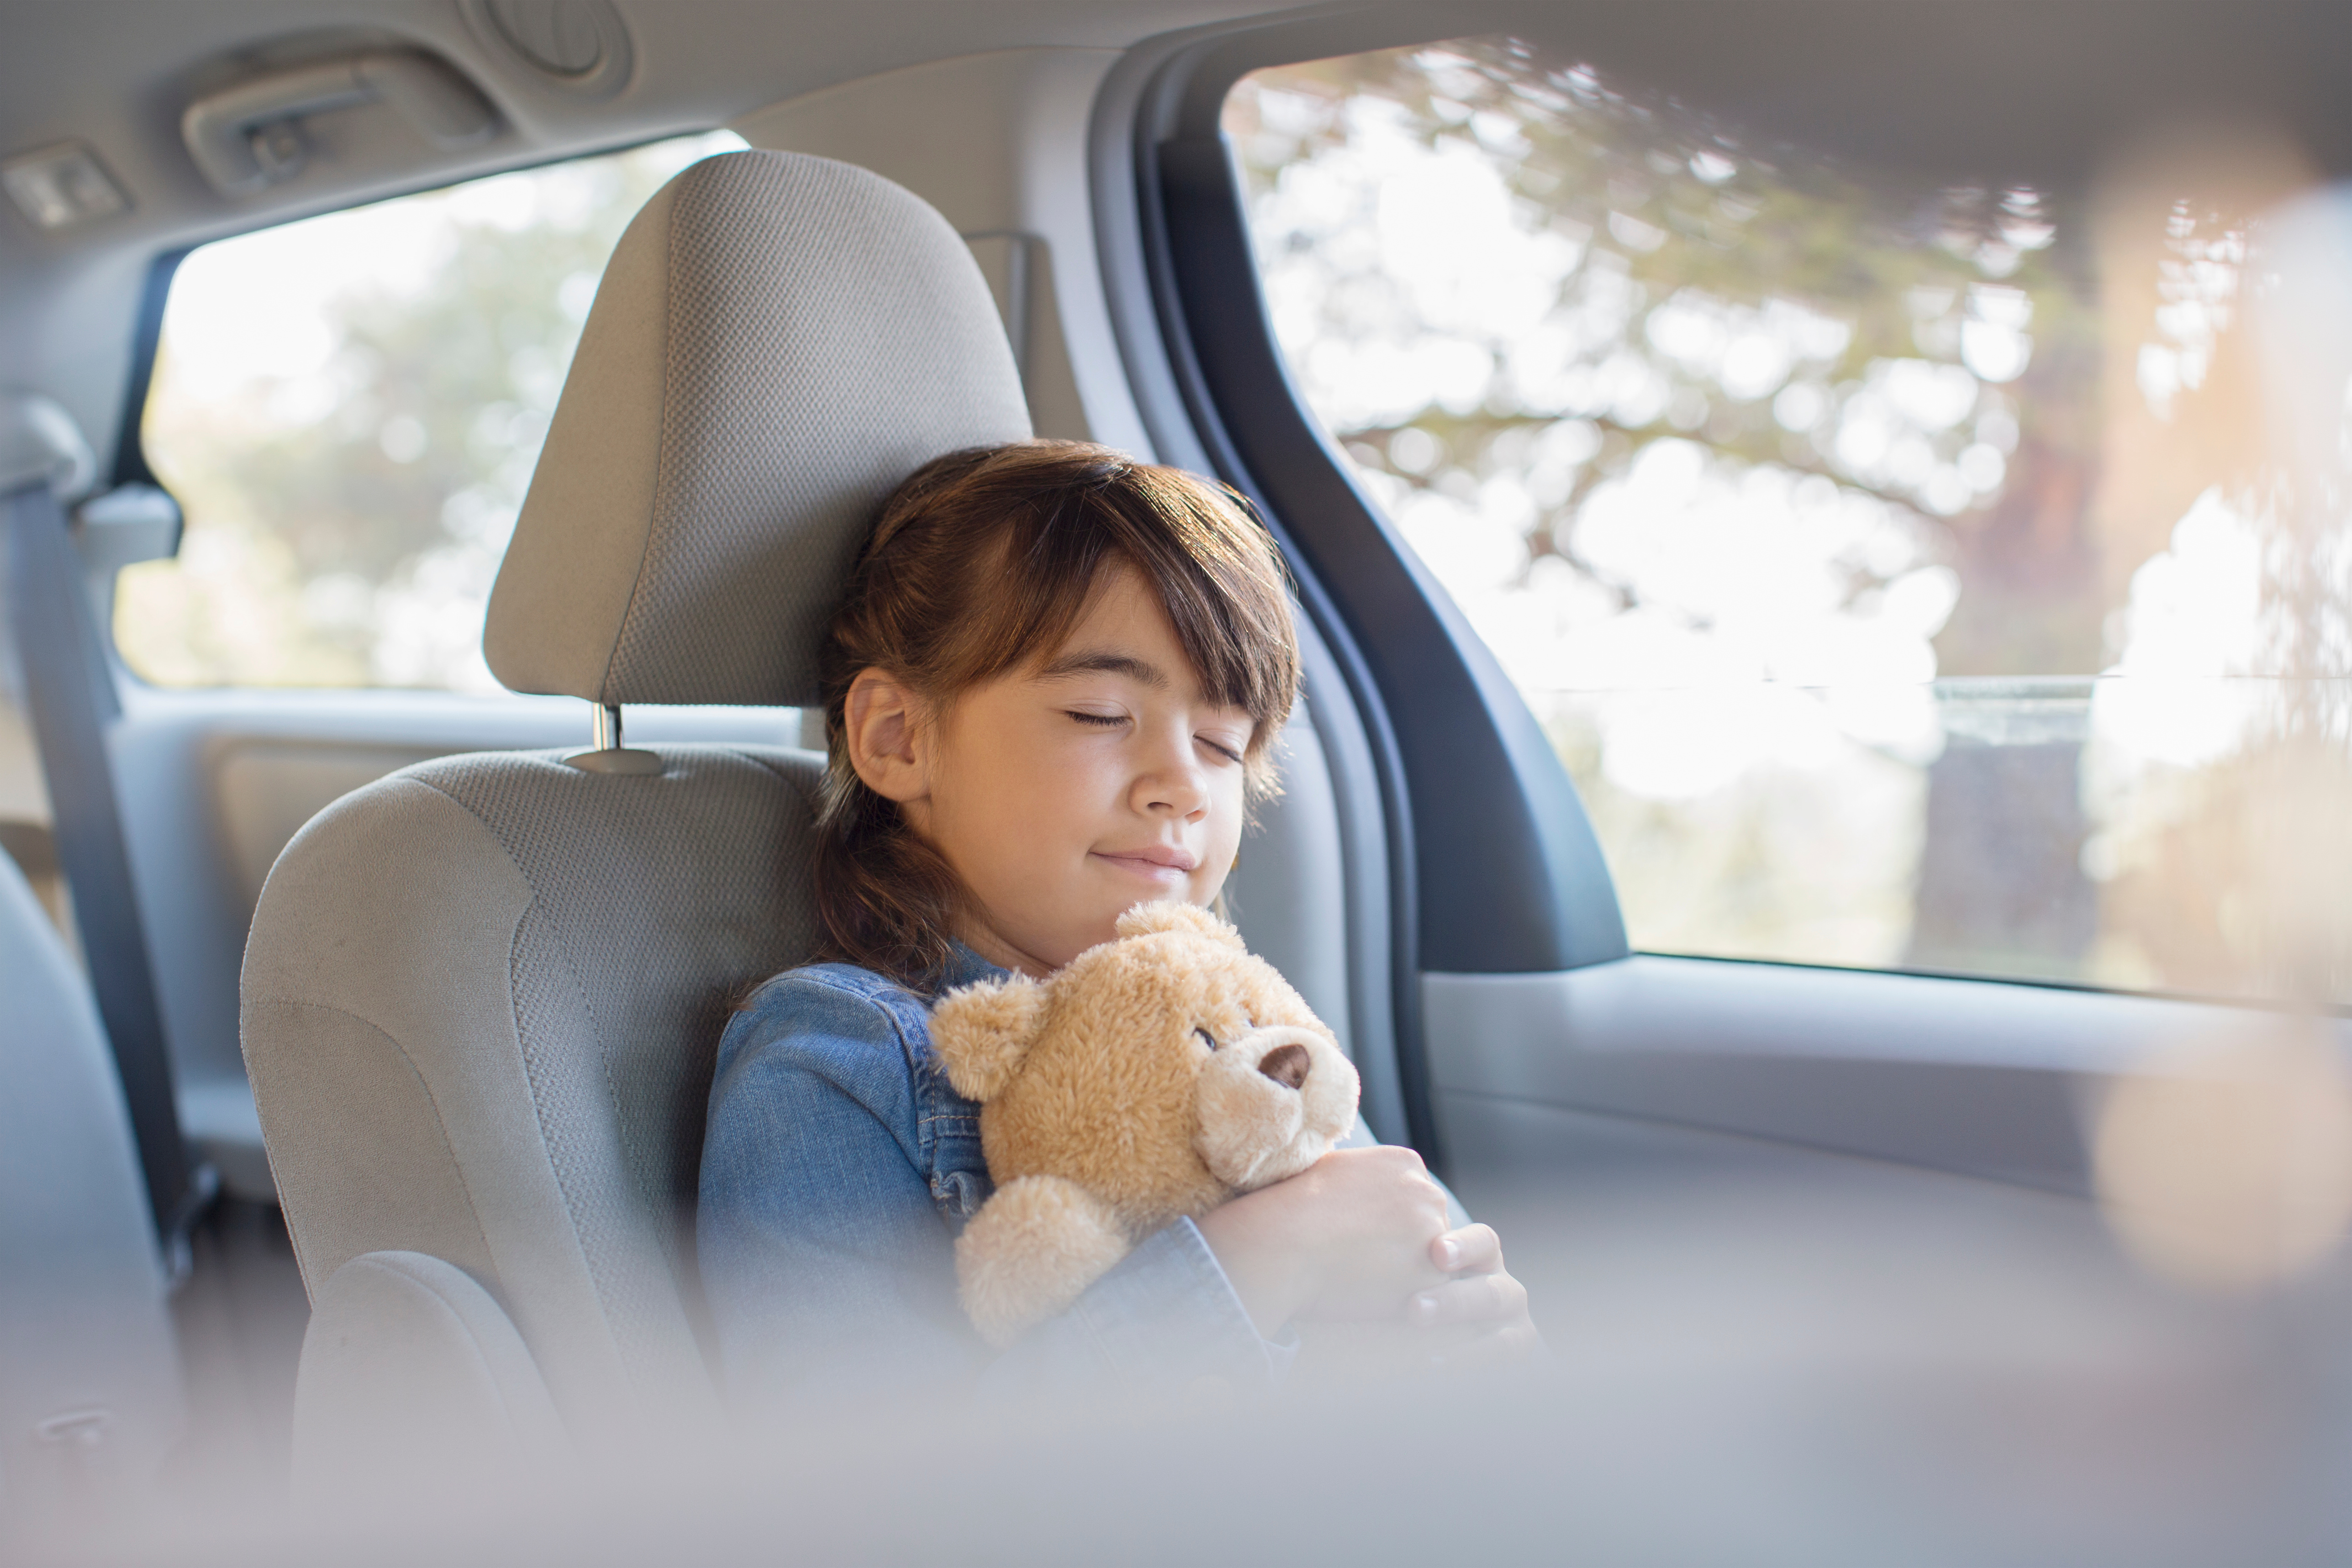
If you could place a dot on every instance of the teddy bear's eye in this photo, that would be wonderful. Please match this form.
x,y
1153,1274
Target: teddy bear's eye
x,y
1207,1039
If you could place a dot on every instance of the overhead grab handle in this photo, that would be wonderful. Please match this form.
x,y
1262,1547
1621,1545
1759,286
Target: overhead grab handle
x,y
248,137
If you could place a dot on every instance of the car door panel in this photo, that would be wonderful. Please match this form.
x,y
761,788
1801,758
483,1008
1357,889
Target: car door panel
x,y
1994,1081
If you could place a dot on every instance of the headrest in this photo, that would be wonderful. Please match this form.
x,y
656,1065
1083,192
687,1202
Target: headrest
x,y
777,343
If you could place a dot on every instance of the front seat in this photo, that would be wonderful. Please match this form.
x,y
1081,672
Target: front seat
x,y
481,995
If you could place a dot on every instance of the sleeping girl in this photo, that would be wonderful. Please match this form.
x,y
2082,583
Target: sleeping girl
x,y
1051,692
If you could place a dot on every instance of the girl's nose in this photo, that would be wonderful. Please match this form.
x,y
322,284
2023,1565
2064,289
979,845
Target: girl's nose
x,y
1175,786
1179,793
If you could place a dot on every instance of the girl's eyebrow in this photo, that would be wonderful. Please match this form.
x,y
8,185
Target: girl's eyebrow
x,y
1105,663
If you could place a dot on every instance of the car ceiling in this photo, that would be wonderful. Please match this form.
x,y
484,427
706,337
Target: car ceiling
x,y
2022,90
116,76
2028,90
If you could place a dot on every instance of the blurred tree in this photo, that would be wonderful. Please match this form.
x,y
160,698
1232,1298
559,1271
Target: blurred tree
x,y
1662,199
1934,351
343,527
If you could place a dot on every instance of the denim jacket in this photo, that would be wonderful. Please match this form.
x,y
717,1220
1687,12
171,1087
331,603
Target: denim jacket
x,y
839,1165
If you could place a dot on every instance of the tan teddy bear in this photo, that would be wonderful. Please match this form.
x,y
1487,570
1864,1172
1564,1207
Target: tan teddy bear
x,y
1154,1077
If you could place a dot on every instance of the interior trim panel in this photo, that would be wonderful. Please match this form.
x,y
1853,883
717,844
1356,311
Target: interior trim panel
x,y
1977,1078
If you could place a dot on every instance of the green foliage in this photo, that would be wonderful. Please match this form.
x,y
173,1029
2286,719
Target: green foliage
x,y
344,525
1672,209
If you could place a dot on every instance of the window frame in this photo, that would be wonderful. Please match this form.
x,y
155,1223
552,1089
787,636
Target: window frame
x,y
130,466
1485,883
1502,873
1493,867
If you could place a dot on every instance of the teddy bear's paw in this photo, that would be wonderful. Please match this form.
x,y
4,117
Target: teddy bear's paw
x,y
1032,1249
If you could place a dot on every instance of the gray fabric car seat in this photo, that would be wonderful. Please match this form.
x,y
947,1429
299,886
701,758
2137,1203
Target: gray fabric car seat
x,y
481,995
91,1398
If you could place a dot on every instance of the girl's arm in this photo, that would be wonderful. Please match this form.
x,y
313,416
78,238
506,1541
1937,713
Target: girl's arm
x,y
828,1262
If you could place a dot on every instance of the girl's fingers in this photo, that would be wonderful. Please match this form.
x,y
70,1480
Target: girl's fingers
x,y
1472,1249
1476,1299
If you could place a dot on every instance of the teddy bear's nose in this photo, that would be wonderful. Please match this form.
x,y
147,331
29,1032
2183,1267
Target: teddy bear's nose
x,y
1286,1064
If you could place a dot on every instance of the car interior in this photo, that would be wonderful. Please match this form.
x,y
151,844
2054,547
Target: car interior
x,y
408,756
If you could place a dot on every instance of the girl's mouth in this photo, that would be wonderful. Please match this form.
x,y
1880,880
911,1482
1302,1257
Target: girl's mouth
x,y
1159,861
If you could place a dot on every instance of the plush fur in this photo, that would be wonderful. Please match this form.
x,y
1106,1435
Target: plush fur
x,y
1107,1112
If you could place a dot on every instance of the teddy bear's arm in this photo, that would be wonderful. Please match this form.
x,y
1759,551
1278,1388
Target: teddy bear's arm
x,y
1032,1249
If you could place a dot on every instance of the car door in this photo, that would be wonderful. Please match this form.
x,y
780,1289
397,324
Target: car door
x,y
1794,537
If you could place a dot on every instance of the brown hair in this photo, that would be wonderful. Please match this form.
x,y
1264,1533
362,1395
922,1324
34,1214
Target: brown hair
x,y
981,563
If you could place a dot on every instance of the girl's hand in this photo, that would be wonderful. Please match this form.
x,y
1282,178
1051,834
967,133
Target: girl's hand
x,y
1353,1235
1479,1314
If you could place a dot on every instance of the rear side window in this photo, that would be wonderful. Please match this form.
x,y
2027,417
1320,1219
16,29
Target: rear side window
x,y
1906,570
349,410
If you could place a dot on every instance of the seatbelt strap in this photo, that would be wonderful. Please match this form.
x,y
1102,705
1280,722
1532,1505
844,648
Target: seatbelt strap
x,y
71,690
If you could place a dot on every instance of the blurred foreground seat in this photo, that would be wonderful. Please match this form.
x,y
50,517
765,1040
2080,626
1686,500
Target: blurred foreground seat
x,y
91,1396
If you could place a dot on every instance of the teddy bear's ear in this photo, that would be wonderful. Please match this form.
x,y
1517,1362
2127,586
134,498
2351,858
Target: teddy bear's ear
x,y
983,1030
1168,915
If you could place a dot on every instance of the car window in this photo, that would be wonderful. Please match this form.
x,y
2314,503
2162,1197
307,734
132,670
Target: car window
x,y
1904,569
349,410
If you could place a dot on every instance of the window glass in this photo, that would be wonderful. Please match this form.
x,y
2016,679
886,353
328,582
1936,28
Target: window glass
x,y
349,409
1911,574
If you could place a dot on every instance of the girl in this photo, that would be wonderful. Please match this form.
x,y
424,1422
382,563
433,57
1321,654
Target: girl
x,y
1052,691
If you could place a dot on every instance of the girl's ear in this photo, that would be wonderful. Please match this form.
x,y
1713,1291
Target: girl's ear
x,y
1169,914
983,1031
882,733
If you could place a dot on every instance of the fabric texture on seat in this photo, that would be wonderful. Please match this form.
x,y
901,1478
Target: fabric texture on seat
x,y
778,341
481,1000
482,996
90,1397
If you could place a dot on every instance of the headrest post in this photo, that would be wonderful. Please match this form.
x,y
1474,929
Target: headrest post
x,y
608,755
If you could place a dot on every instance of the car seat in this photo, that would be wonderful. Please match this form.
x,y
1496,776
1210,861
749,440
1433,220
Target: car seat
x,y
91,1398
481,995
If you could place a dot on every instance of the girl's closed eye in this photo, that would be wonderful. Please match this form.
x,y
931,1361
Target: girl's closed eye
x,y
1104,719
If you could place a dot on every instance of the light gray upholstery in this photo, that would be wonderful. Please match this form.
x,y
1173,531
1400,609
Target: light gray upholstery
x,y
778,340
1280,893
90,1380
412,1373
482,996
481,1000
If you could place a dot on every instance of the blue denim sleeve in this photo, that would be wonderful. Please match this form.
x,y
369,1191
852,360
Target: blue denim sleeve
x,y
825,1261
828,1267
1164,1319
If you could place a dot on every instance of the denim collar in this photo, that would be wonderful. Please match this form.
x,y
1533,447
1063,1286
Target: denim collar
x,y
966,968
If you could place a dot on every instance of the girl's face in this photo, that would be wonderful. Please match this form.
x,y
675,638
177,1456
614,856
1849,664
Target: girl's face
x,y
1065,793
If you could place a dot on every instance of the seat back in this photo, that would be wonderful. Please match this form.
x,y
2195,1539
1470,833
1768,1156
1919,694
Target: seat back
x,y
482,996
91,1398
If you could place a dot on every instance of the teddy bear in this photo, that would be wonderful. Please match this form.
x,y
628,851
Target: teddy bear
x,y
1154,1077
